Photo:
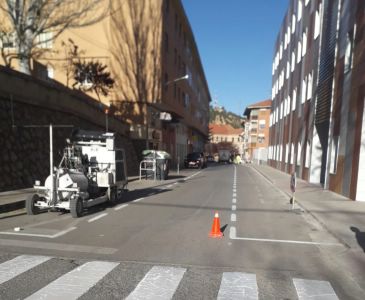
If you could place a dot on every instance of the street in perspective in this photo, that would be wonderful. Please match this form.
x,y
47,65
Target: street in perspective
x,y
129,169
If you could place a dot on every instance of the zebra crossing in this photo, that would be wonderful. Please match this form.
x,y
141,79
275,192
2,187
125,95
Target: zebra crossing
x,y
157,282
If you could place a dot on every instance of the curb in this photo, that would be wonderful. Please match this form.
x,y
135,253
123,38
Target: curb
x,y
8,207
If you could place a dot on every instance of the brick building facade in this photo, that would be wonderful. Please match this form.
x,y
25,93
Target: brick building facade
x,y
318,95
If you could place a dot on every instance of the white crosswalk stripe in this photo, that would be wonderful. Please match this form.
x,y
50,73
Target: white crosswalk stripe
x,y
18,265
159,283
75,283
314,289
237,285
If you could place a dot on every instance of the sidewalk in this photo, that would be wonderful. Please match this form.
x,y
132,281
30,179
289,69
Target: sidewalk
x,y
335,213
14,200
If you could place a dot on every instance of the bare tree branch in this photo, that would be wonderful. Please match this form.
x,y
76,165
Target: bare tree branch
x,y
30,19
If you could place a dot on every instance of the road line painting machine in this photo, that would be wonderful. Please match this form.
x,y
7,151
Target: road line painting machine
x,y
92,171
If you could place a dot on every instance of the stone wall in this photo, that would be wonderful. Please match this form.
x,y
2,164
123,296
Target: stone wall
x,y
24,150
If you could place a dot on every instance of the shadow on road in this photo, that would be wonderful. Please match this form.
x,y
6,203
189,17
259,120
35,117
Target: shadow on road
x,y
360,237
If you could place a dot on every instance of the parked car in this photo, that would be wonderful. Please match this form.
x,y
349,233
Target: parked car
x,y
195,160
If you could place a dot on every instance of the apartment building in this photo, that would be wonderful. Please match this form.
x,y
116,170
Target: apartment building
x,y
316,123
160,87
224,133
256,134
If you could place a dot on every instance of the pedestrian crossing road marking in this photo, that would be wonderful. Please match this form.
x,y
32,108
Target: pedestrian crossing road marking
x,y
160,282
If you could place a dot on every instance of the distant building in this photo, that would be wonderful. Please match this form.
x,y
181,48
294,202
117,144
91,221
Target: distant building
x,y
256,125
318,92
226,134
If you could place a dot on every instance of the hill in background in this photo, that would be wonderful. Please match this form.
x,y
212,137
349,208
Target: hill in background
x,y
218,115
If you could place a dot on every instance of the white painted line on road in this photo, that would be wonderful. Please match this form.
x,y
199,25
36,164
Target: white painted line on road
x,y
49,236
137,200
233,236
121,206
75,283
57,246
236,285
314,289
234,190
233,218
20,264
97,217
234,200
234,207
169,186
234,195
159,283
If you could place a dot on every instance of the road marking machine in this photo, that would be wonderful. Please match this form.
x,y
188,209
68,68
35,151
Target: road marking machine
x,y
92,171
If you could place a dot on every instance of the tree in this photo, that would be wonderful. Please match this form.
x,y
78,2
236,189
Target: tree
x,y
72,55
35,22
93,76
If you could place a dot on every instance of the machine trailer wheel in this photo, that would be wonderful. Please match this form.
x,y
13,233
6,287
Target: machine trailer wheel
x,y
76,207
29,204
112,194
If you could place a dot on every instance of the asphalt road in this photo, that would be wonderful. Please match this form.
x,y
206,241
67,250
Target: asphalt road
x,y
155,244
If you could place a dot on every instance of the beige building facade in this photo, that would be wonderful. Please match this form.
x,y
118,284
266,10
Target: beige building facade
x,y
160,88
256,125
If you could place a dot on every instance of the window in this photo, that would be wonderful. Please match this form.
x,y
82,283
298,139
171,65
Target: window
x,y
348,53
45,40
287,70
299,56
299,150
175,56
334,154
294,104
292,153
262,124
293,61
293,24
310,86
261,139
304,90
307,154
317,23
300,10
7,40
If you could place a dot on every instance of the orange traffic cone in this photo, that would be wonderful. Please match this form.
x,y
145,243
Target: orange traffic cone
x,y
216,228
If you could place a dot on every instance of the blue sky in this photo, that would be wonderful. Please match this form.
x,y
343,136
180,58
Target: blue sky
x,y
236,39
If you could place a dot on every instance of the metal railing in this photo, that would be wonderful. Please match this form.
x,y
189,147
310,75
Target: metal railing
x,y
147,165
